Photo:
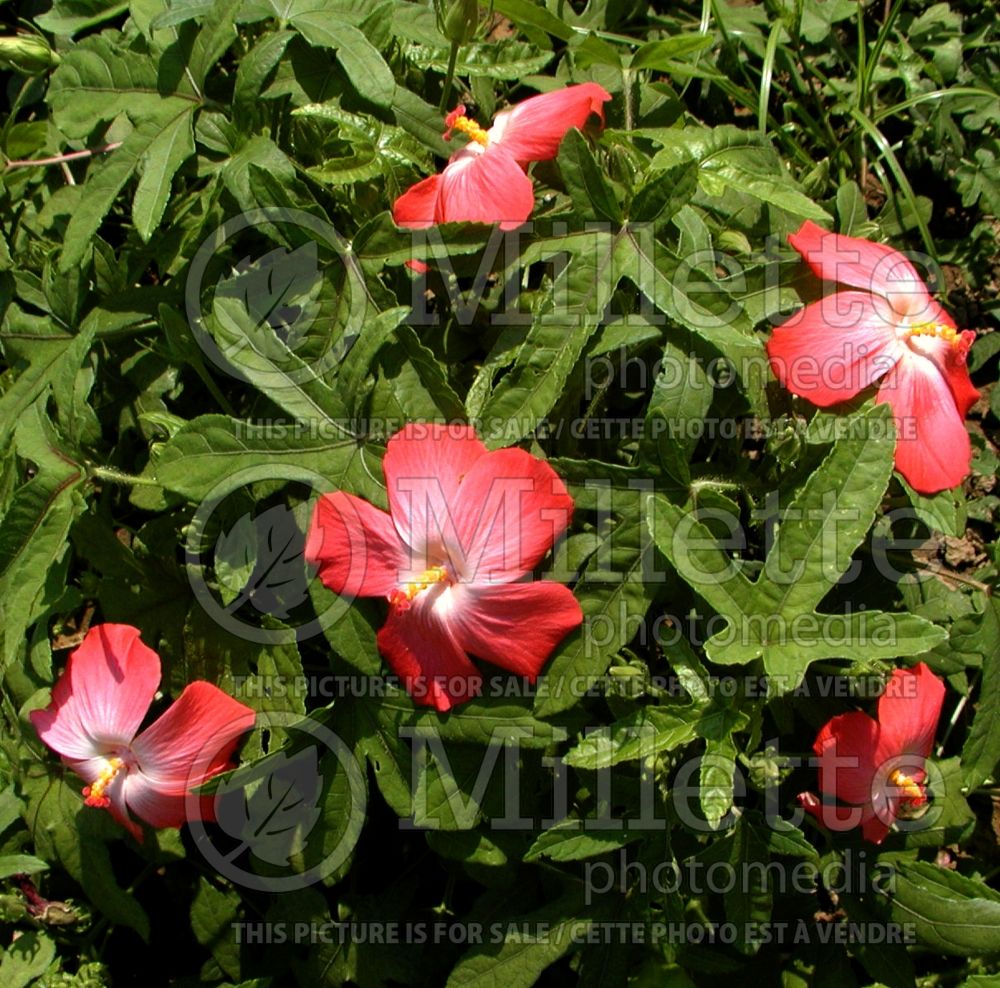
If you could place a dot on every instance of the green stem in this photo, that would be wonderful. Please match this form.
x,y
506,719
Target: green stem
x,y
627,87
937,94
906,190
449,77
120,477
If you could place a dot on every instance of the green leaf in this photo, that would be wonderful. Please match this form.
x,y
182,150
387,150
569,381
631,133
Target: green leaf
x,y
423,121
168,150
26,959
373,731
592,196
592,50
952,914
643,734
943,512
380,242
952,821
569,840
211,448
983,350
214,913
67,19
34,530
253,349
575,301
748,905
481,721
682,394
737,160
563,322
888,964
851,211
54,362
373,146
520,958
10,808
106,179
661,54
715,779
412,383
77,836
99,79
217,33
819,15
614,591
180,12
383,730
664,193
775,618
14,864
467,846
254,69
365,67
352,635
524,13
452,784
512,60
981,751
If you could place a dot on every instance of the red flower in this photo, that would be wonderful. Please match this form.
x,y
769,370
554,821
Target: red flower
x,y
97,706
464,527
887,327
485,181
877,767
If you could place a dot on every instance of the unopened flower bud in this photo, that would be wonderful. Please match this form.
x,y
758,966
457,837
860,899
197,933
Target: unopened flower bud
x,y
461,20
27,54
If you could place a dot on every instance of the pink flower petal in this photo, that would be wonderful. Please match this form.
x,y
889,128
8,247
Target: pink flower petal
x,y
416,207
508,511
488,186
422,651
957,373
149,803
836,347
533,129
933,451
861,264
949,358
424,464
356,546
875,827
193,740
811,803
846,748
89,769
908,713
116,792
102,697
834,816
514,625
159,809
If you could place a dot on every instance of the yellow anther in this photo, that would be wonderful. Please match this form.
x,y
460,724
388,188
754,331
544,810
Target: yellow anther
x,y
465,125
947,333
402,596
912,791
93,795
